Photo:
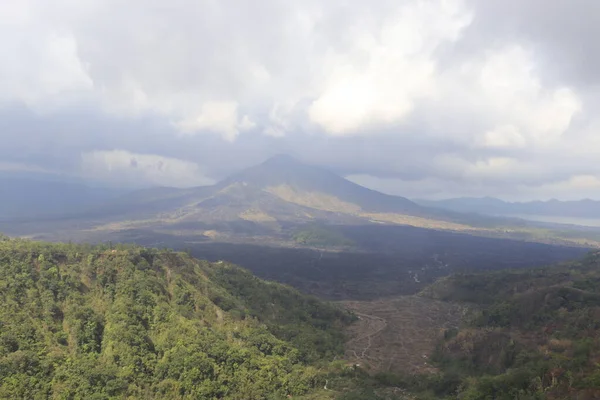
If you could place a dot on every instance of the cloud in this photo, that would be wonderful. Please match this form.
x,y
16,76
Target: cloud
x,y
497,100
487,96
562,34
389,69
41,64
138,169
221,117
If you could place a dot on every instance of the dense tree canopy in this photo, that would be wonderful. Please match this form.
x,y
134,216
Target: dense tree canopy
x,y
79,321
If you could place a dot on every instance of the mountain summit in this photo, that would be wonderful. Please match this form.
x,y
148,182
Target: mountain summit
x,y
276,170
284,172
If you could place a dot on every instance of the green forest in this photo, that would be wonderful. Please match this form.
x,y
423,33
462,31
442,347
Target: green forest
x,y
108,322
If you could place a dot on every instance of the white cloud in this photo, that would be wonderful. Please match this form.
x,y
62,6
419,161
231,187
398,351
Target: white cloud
x,y
513,91
214,116
505,136
135,169
181,62
378,82
40,67
246,124
497,99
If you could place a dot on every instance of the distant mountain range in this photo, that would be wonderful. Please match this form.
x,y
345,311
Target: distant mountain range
x,y
491,206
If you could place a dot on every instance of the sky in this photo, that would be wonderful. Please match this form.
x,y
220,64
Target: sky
x,y
421,98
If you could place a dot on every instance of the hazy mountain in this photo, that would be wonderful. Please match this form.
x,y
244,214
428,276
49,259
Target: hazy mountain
x,y
487,205
280,189
284,172
261,200
37,196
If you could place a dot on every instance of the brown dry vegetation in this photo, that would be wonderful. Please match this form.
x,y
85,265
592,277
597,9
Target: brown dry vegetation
x,y
420,222
399,334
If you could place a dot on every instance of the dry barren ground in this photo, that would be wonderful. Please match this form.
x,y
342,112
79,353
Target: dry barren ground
x,y
399,334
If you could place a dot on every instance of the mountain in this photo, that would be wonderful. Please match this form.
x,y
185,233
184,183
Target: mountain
x,y
294,181
257,203
491,206
280,188
128,322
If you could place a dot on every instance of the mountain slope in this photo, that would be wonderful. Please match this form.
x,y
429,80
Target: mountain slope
x,y
129,322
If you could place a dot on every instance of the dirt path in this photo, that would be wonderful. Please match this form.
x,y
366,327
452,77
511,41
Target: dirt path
x,y
398,334
373,322
367,327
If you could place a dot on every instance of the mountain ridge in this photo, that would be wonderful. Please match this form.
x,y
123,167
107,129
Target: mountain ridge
x,y
584,208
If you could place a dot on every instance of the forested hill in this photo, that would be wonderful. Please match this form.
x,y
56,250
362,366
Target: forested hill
x,y
535,334
83,322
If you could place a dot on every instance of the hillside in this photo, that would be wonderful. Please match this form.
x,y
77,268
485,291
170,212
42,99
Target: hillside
x,y
536,334
127,322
